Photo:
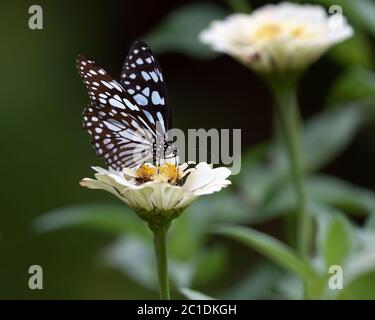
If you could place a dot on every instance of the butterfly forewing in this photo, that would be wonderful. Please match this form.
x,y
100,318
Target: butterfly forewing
x,y
143,79
120,131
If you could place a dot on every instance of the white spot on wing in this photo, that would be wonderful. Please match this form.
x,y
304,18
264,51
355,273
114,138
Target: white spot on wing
x,y
130,105
117,86
156,99
146,91
149,116
111,127
115,103
145,75
107,84
141,99
160,119
154,76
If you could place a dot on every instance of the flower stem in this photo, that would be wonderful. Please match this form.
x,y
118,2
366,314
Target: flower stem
x,y
160,242
159,223
289,119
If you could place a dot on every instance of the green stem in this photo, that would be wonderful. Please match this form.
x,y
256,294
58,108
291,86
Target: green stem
x,y
160,242
159,223
289,117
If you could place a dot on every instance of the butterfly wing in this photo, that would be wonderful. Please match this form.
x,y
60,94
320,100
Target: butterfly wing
x,y
142,78
120,131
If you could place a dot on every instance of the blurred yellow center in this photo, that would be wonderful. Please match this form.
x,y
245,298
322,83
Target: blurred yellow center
x,y
268,31
299,32
272,31
167,172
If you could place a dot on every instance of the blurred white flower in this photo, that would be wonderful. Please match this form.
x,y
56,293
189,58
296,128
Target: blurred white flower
x,y
283,37
168,188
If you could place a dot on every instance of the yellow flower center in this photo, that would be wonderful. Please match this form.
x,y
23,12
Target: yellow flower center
x,y
299,32
167,172
268,31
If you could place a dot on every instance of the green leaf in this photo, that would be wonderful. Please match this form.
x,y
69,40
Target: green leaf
x,y
257,284
370,222
224,206
211,264
362,260
327,134
194,295
362,12
335,192
116,219
338,241
258,179
189,260
362,288
134,257
321,191
251,159
353,84
270,247
264,178
184,238
355,51
261,174
179,31
324,190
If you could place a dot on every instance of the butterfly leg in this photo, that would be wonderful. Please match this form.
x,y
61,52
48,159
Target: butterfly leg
x,y
175,156
154,153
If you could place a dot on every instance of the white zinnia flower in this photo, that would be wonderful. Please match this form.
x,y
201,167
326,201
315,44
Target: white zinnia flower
x,y
283,37
165,189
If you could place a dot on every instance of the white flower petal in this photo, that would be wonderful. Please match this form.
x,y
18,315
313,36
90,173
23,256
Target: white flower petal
x,y
156,195
285,36
99,185
198,179
141,198
113,179
186,200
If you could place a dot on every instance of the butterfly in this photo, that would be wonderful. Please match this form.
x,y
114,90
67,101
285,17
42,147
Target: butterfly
x,y
128,120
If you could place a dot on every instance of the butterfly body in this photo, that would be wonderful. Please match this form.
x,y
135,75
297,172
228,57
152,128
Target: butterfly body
x,y
128,120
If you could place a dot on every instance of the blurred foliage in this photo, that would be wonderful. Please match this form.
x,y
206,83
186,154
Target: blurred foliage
x,y
339,243
261,196
178,33
194,295
354,84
